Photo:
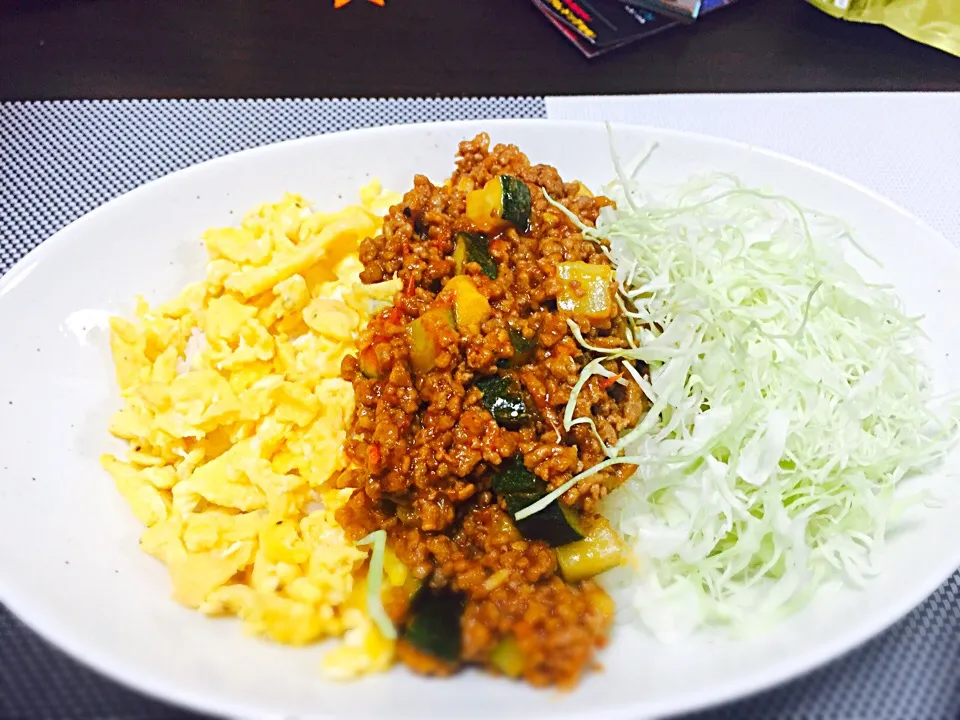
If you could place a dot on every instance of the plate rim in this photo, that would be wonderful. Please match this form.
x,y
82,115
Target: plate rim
x,y
52,632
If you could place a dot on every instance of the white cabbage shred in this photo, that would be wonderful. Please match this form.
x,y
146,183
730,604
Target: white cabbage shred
x,y
375,609
788,403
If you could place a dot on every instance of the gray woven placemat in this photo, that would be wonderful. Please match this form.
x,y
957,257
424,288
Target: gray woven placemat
x,y
60,160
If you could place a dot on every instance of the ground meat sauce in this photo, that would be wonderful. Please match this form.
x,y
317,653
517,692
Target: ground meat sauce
x,y
426,448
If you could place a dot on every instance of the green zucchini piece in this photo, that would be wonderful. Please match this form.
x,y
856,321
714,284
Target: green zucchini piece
x,y
472,247
426,336
523,347
368,362
599,551
513,477
516,202
470,308
507,657
524,350
504,200
435,627
586,290
555,525
503,398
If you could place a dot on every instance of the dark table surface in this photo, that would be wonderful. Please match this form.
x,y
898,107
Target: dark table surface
x,y
57,49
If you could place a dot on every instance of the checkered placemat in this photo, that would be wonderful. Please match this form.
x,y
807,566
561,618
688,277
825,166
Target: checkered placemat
x,y
60,160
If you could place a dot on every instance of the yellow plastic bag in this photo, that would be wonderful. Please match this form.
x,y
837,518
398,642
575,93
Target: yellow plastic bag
x,y
932,22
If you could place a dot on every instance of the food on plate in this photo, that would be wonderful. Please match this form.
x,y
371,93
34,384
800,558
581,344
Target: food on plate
x,y
443,426
235,413
460,392
330,437
789,402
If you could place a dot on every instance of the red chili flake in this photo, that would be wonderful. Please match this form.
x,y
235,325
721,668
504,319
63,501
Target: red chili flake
x,y
373,455
498,247
609,382
410,285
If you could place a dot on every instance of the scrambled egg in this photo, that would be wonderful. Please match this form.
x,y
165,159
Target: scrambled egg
x,y
236,414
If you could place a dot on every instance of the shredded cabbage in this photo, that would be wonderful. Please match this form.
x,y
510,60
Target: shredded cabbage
x,y
375,609
788,402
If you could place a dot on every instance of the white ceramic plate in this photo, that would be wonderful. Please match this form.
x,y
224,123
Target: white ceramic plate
x,y
70,565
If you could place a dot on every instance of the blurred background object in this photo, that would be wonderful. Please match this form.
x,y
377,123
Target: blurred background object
x,y
596,27
932,22
62,49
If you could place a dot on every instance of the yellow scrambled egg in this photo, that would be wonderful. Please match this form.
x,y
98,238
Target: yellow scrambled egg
x,y
235,415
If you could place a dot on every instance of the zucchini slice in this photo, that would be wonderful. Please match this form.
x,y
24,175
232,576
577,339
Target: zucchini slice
x,y
555,525
470,307
516,202
513,477
586,291
503,398
524,349
368,362
426,337
474,247
435,626
504,200
507,657
599,551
